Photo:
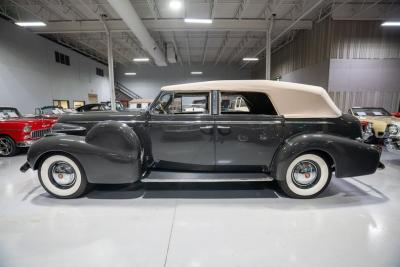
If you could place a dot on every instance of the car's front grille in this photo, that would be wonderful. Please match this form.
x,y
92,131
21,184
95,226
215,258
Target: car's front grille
x,y
40,133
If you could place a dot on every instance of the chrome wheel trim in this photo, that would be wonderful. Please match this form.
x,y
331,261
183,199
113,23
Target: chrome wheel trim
x,y
305,174
5,146
62,174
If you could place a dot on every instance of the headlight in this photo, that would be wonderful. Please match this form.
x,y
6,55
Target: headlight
x,y
368,129
393,129
27,129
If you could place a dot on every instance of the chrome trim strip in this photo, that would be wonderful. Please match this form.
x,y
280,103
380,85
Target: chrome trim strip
x,y
205,180
182,122
86,122
248,122
309,122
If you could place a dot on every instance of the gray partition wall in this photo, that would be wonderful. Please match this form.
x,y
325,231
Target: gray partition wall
x,y
358,62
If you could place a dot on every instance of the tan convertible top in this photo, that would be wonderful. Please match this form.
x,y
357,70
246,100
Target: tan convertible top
x,y
292,100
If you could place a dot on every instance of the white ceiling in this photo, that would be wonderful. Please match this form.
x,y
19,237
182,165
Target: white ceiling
x,y
239,27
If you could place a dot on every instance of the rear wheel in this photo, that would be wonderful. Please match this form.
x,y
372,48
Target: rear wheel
x,y
62,176
306,177
8,148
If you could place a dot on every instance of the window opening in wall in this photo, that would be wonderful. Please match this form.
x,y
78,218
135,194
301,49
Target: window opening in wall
x,y
61,103
78,103
99,72
61,58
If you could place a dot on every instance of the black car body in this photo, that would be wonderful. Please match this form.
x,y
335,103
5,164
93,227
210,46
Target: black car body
x,y
288,132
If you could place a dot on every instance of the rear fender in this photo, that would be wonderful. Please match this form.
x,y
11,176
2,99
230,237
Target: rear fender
x,y
350,157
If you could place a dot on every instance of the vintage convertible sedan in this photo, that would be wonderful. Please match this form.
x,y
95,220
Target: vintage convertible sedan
x,y
288,132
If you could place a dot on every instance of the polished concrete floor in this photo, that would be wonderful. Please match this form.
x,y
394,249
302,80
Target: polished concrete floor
x,y
356,222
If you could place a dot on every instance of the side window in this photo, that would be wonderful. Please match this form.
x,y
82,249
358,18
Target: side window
x,y
182,103
162,103
246,103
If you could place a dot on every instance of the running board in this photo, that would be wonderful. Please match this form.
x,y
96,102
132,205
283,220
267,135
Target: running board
x,y
204,177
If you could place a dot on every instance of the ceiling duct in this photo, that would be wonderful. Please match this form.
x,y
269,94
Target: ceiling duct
x,y
128,14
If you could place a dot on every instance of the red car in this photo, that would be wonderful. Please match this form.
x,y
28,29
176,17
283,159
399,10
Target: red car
x,y
396,114
17,131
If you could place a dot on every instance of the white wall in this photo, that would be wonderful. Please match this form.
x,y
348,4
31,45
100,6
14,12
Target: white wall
x,y
364,74
30,77
149,80
365,82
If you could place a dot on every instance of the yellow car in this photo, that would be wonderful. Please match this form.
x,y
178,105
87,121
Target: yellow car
x,y
379,125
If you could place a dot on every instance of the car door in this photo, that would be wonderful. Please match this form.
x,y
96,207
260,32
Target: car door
x,y
181,129
248,131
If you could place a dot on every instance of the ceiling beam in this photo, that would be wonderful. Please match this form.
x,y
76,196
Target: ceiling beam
x,y
188,49
175,44
241,8
153,8
169,25
222,48
205,49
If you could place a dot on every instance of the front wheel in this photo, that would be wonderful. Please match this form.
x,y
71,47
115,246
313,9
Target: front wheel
x,y
62,176
306,177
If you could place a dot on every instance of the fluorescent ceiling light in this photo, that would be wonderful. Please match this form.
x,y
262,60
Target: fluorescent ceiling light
x,y
130,73
196,72
141,59
175,4
391,23
202,21
250,59
30,23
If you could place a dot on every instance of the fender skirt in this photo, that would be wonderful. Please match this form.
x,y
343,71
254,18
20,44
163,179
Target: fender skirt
x,y
350,157
109,153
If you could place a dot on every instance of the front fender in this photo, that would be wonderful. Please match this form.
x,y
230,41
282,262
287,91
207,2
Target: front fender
x,y
110,152
350,157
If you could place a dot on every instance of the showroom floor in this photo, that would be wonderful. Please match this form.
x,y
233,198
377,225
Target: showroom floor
x,y
356,222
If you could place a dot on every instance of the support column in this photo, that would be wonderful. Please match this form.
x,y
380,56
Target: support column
x,y
111,70
268,49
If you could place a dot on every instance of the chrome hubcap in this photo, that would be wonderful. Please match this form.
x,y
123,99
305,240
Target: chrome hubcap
x,y
62,173
305,173
5,146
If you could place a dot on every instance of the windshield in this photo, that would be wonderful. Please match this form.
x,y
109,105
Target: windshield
x,y
370,112
6,113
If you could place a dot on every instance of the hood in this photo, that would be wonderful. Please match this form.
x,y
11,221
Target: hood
x,y
35,123
100,116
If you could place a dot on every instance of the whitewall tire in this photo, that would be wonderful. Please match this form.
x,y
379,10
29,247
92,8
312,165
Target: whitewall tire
x,y
62,177
306,176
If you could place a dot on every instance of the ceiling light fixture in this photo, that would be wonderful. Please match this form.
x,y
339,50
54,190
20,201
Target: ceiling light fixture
x,y
141,59
30,23
175,5
196,72
391,24
201,21
130,73
250,59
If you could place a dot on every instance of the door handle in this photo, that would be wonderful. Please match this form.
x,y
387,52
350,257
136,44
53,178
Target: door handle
x,y
206,129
